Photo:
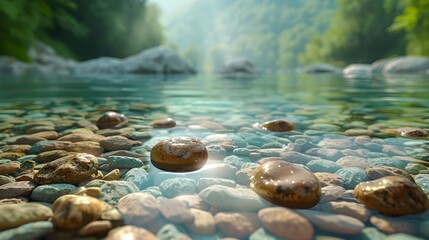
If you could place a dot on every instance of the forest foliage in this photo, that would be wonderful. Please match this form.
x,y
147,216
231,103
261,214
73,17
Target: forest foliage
x,y
272,33
79,29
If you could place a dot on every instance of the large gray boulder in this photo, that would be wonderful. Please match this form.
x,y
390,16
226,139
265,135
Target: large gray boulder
x,y
322,68
156,60
407,65
357,71
238,68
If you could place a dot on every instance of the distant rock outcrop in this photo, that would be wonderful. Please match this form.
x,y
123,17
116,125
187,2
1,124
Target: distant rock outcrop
x,y
158,60
407,65
238,68
322,68
357,71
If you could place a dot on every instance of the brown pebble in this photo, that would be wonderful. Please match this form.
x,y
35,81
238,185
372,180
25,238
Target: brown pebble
x,y
286,223
91,191
50,135
115,174
114,143
392,195
175,211
179,154
95,227
28,140
10,167
16,189
204,222
237,224
50,156
392,225
286,184
11,155
111,119
130,233
90,147
277,126
73,168
164,123
73,211
16,148
384,171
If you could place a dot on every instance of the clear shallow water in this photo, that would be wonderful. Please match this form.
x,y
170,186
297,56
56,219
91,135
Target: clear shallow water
x,y
320,106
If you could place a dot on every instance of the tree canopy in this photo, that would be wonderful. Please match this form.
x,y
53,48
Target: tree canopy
x,y
80,29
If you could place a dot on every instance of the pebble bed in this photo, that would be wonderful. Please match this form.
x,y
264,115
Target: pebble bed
x,y
63,176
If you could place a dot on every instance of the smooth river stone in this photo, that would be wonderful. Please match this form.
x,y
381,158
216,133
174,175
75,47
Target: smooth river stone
x,y
69,169
237,224
335,223
50,192
203,223
138,209
164,123
13,215
130,233
277,126
234,199
286,223
89,147
179,154
178,186
111,119
286,184
392,195
16,189
124,162
50,156
34,230
73,211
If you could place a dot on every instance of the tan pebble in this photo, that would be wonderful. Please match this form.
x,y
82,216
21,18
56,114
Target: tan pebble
x,y
11,155
50,135
164,123
89,147
277,126
204,222
392,195
392,225
179,154
50,156
286,184
115,174
14,215
8,168
351,209
91,191
285,223
16,148
79,137
69,169
237,224
73,211
130,233
95,227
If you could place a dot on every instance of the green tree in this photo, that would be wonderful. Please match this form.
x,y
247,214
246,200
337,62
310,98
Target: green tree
x,y
415,22
358,33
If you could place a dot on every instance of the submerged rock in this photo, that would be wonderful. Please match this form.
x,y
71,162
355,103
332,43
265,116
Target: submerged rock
x,y
357,71
392,195
277,126
322,68
111,119
286,184
179,154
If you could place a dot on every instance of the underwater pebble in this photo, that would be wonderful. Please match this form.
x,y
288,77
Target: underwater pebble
x,y
285,223
14,215
286,184
327,179
130,233
237,224
138,209
323,166
383,171
164,123
392,225
95,227
124,162
180,154
50,192
73,211
207,182
203,223
352,176
111,119
114,143
175,211
89,147
138,176
422,180
234,199
172,232
177,186
69,169
277,126
392,196
16,189
351,209
33,230
335,223
112,191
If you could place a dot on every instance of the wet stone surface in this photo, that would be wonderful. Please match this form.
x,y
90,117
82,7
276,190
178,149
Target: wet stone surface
x,y
211,173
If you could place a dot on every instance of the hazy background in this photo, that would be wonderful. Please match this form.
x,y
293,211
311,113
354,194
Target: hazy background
x,y
273,34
